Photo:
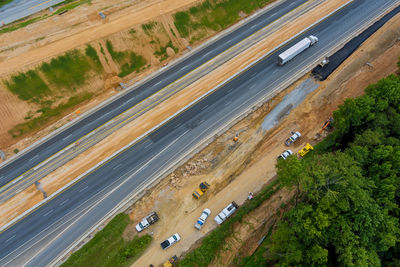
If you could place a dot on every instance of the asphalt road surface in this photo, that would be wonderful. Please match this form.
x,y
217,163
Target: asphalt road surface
x,y
45,233
19,9
14,169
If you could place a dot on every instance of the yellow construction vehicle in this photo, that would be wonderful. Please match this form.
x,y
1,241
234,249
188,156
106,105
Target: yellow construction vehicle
x,y
171,261
305,150
203,187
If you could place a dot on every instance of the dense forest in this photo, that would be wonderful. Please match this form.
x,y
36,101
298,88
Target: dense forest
x,y
347,202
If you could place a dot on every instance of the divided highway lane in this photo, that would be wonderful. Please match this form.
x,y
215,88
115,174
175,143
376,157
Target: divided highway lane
x,y
19,9
44,234
32,158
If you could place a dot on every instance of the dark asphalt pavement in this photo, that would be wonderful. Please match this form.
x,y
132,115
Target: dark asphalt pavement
x,y
32,158
19,9
45,233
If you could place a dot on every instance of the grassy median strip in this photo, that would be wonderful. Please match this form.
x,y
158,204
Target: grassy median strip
x,y
203,255
108,248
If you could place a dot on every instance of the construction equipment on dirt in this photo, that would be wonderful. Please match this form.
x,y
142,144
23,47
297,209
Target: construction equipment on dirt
x,y
326,127
203,187
328,124
236,138
305,150
293,138
171,261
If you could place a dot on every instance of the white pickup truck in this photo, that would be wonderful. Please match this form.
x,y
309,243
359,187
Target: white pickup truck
x,y
170,241
147,221
225,213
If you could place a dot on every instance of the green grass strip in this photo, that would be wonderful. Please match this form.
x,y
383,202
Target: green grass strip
x,y
17,26
108,248
28,85
48,113
71,5
68,70
4,2
212,243
214,14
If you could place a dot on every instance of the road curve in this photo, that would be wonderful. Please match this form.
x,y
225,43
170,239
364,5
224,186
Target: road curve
x,y
42,235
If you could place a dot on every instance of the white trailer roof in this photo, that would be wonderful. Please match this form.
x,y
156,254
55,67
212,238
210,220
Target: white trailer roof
x,y
295,49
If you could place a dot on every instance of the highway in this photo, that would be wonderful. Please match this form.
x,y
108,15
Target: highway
x,y
25,168
19,9
45,233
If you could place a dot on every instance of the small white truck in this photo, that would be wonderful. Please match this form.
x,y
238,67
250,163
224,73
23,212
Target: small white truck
x,y
147,221
293,138
202,219
285,154
225,213
170,241
296,49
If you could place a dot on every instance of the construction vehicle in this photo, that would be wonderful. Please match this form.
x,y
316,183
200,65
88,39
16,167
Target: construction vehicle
x,y
295,136
227,212
305,150
327,124
147,221
171,261
296,49
203,187
324,62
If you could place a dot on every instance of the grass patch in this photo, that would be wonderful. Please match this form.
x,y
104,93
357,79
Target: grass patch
x,y
116,56
4,2
92,54
148,27
47,114
107,248
134,64
68,70
162,53
17,26
28,85
203,255
68,5
214,15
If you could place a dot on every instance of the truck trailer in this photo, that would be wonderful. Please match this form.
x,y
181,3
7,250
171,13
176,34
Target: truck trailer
x,y
296,49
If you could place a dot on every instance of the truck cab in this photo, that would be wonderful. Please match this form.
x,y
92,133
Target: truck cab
x,y
225,213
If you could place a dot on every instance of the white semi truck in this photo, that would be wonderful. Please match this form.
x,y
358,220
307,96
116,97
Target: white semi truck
x,y
297,49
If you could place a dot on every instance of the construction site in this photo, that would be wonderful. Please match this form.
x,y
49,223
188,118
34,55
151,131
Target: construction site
x,y
239,160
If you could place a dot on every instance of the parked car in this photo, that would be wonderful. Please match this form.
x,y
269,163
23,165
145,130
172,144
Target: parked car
x,y
202,219
225,213
170,241
293,138
285,154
